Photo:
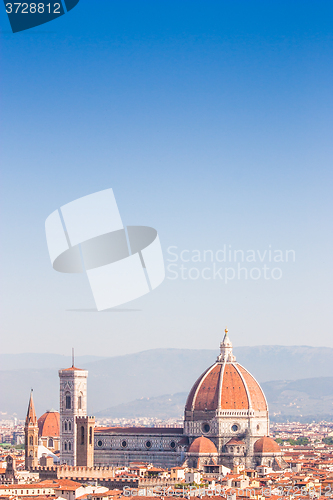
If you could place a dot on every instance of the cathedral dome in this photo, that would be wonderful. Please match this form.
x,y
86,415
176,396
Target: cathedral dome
x,y
202,445
266,445
226,385
49,424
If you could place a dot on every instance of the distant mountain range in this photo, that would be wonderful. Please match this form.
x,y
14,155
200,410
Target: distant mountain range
x,y
158,372
163,407
310,398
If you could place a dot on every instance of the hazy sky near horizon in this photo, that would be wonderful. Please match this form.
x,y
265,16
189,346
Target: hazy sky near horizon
x,y
212,122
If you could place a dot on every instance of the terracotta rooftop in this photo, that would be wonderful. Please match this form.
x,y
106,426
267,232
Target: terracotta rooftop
x,y
226,385
266,445
202,445
72,368
235,441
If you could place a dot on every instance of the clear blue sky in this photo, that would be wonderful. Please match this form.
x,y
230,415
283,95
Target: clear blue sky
x,y
212,122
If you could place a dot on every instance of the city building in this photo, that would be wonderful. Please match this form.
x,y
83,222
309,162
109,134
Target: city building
x,y
226,425
226,421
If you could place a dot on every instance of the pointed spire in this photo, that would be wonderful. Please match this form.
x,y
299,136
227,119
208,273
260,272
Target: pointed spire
x,y
226,349
31,414
226,339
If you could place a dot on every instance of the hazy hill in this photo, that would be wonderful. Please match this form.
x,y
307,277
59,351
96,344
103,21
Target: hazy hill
x,y
286,399
300,398
163,407
148,374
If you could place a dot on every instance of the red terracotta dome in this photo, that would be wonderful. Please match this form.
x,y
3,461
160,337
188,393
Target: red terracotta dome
x,y
49,424
226,385
202,445
235,441
266,445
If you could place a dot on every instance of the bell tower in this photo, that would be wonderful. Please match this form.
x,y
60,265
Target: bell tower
x,y
31,436
73,403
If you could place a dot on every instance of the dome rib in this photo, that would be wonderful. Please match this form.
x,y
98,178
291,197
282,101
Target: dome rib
x,y
209,395
258,397
221,385
245,385
234,394
226,386
191,397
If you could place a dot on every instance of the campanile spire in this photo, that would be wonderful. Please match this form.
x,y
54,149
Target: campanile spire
x,y
31,436
31,413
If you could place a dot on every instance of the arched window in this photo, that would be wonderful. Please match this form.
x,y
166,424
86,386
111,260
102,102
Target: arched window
x,y
90,435
65,426
50,443
68,401
31,440
79,402
69,426
82,434
69,446
65,446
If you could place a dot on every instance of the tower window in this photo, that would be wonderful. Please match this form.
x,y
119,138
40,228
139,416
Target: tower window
x,y
69,446
68,402
65,426
65,446
31,440
69,426
90,435
82,434
79,402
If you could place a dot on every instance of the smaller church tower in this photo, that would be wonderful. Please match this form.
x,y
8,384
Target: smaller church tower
x,y
31,436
